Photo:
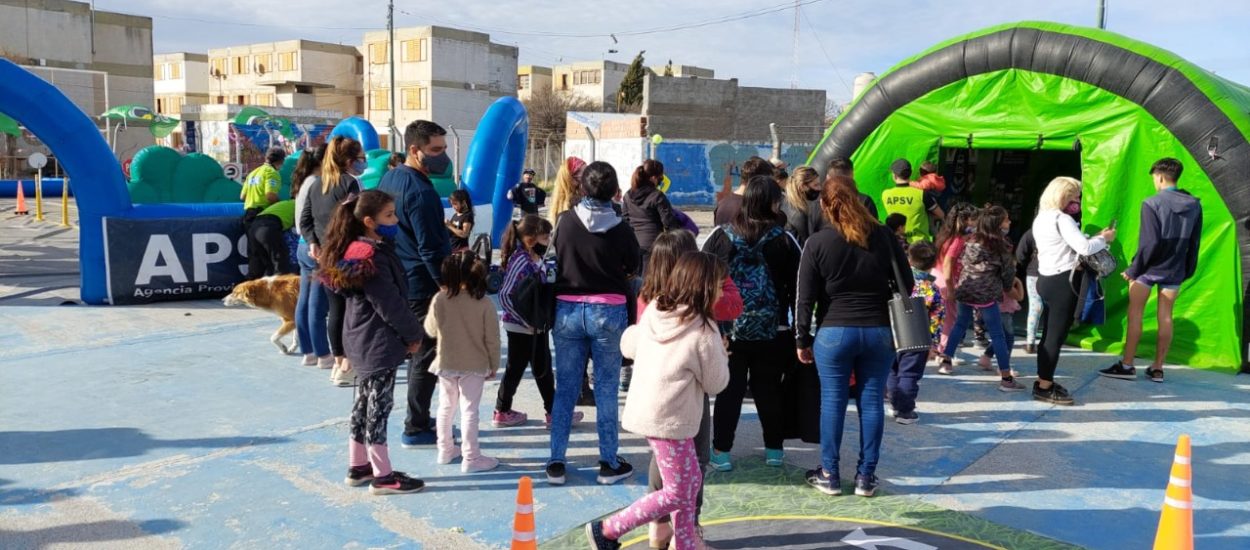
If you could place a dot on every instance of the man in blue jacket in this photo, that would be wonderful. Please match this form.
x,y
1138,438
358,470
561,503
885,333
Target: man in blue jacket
x,y
1167,255
422,243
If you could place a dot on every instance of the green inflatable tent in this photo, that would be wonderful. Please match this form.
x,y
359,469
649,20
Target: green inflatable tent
x,y
1005,109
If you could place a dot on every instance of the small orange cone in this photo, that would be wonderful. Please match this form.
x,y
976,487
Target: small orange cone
x,y
1176,524
21,201
523,535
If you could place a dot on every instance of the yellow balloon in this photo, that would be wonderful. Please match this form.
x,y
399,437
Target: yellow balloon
x,y
657,139
664,184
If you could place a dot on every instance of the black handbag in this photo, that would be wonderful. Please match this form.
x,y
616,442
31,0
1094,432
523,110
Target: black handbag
x,y
909,317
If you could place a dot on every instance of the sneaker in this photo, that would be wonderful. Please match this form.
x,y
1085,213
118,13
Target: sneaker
x,y
627,375
343,378
823,482
480,464
1015,373
1055,394
1155,375
985,363
1009,385
720,461
359,475
1119,370
419,439
398,483
946,367
326,362
578,416
774,457
310,360
865,486
982,340
594,535
508,419
1030,349
609,475
450,457
555,473
907,418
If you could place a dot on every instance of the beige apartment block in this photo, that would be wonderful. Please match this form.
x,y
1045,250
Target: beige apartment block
x,y
442,74
597,81
530,78
98,59
179,79
295,74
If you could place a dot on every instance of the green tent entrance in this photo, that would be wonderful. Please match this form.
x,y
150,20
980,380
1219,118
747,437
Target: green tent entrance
x,y
1033,90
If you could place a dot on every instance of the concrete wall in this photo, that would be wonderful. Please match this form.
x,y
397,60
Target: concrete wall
x,y
709,109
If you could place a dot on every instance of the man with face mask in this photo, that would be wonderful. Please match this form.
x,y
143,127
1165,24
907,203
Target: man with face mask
x,y
422,243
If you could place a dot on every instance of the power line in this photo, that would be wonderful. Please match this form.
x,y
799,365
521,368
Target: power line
x,y
828,58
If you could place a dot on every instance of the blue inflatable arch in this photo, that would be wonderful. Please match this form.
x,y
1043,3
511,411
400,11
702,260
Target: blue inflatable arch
x,y
358,129
493,165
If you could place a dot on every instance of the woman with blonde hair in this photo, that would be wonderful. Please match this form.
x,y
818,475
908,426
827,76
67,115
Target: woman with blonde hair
x,y
802,204
567,192
1060,244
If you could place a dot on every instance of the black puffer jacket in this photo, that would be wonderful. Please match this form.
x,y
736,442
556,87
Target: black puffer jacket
x,y
649,213
377,325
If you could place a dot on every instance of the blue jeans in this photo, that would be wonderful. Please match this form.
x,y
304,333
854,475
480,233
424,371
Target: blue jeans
x,y
993,325
582,331
312,307
1009,334
869,353
904,383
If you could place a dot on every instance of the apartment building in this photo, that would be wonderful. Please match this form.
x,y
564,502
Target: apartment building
x,y
179,79
530,78
600,81
295,74
98,59
447,75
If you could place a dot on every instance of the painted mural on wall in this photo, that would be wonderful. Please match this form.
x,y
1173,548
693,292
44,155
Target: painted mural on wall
x,y
697,169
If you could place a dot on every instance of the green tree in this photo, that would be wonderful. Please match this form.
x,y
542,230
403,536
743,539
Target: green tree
x,y
668,69
629,97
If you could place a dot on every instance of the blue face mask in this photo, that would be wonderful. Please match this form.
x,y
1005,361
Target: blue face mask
x,y
359,167
388,231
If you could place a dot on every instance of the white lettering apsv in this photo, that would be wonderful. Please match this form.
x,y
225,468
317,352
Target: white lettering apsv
x,y
160,258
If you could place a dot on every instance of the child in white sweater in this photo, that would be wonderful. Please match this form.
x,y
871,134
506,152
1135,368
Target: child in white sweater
x,y
678,357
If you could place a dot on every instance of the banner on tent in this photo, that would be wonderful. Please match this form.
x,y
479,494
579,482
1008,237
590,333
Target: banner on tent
x,y
172,259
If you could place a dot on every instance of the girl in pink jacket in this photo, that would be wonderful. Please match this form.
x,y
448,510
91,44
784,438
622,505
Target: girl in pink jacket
x,y
678,357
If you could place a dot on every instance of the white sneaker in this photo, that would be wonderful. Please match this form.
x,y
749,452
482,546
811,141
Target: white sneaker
x,y
310,360
343,378
326,362
480,464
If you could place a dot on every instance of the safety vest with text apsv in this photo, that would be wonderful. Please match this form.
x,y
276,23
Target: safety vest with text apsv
x,y
908,201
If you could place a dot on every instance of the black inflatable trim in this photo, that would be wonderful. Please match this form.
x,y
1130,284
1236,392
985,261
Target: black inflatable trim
x,y
1162,91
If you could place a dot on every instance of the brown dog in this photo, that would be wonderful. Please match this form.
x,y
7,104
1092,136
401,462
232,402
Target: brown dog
x,y
276,294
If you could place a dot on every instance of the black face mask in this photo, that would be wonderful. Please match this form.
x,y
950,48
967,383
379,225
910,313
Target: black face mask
x,y
540,249
812,194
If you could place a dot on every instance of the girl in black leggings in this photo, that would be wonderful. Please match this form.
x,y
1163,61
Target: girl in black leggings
x,y
1060,244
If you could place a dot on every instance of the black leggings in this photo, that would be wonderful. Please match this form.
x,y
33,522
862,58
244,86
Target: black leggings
x,y
522,353
334,321
758,365
267,253
1058,313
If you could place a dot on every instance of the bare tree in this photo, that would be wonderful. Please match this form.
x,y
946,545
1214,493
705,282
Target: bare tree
x,y
548,110
833,109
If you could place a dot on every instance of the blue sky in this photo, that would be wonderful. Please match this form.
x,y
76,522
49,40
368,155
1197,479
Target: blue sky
x,y
837,38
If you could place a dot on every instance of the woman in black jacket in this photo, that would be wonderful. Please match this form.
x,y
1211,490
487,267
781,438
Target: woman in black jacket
x,y
344,161
761,337
849,264
802,205
647,208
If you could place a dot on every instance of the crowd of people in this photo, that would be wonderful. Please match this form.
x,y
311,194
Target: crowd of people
x,y
789,281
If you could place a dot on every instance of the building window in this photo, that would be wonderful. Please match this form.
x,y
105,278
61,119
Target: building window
x,y
417,50
240,99
175,71
239,64
174,104
523,82
377,53
264,63
286,61
263,100
218,67
564,82
416,99
380,99
160,105
585,77
221,99
158,71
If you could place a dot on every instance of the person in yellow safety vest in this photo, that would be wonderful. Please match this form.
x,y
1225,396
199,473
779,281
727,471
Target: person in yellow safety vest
x,y
914,203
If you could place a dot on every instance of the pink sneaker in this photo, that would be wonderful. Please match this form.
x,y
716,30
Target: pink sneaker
x,y
449,457
480,464
577,417
508,419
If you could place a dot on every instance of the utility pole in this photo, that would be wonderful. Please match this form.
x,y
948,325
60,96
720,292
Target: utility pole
x,y
390,48
794,76
1102,14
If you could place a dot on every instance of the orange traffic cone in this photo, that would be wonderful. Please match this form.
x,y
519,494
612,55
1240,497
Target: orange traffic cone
x,y
523,535
1176,524
21,201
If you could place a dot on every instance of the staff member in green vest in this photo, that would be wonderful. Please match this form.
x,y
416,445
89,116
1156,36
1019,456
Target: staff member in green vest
x,y
260,189
914,203
267,252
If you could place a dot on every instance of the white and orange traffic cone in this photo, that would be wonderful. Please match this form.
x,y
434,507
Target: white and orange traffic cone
x,y
21,201
523,535
1176,523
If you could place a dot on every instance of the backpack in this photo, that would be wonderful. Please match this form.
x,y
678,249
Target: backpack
x,y
749,271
